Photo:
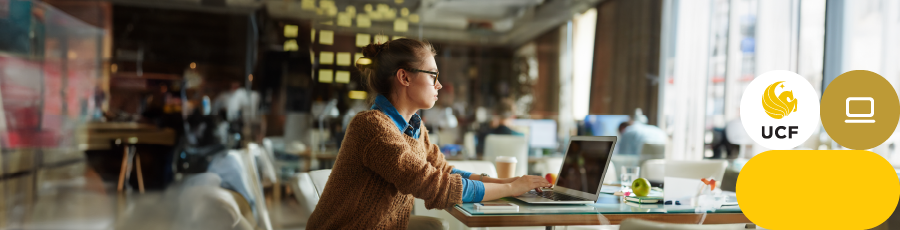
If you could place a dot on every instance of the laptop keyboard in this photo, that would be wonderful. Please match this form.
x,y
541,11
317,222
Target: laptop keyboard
x,y
555,196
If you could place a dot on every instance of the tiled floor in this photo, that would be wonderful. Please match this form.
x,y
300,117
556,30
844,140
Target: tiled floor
x,y
287,215
63,206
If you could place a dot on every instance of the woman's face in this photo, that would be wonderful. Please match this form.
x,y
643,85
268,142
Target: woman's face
x,y
423,89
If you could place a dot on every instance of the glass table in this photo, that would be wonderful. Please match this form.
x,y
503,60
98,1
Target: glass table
x,y
609,210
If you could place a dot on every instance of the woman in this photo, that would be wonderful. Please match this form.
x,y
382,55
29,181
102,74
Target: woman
x,y
387,158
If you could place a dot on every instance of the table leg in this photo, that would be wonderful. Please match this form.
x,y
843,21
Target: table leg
x,y
276,190
122,170
308,163
276,205
140,176
129,166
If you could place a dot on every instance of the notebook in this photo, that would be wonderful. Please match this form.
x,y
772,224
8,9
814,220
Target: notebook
x,y
645,199
646,206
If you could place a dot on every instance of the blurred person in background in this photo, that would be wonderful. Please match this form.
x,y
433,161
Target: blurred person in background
x,y
639,133
500,123
238,109
154,105
387,159
623,127
230,101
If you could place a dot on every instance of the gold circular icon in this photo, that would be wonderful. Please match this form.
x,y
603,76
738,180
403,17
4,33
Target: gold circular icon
x,y
860,109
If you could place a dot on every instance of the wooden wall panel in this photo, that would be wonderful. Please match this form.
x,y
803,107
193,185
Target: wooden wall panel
x,y
546,90
626,58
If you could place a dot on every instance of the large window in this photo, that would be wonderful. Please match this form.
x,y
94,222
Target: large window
x,y
713,49
865,35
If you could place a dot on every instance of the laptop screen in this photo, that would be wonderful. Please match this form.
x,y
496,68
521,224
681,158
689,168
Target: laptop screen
x,y
584,165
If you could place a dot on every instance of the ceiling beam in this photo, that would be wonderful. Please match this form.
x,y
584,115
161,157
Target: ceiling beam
x,y
545,18
191,5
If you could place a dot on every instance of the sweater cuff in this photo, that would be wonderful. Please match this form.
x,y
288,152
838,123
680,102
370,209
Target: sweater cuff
x,y
455,195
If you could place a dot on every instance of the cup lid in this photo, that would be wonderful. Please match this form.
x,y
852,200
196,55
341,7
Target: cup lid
x,y
506,159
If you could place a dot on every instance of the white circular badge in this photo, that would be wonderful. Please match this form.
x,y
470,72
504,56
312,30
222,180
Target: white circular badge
x,y
780,110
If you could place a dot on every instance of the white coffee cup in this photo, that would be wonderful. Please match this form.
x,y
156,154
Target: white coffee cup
x,y
506,166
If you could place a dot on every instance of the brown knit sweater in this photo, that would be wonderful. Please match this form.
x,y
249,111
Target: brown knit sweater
x,y
378,172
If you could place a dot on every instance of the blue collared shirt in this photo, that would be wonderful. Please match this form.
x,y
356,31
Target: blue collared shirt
x,y
473,191
410,128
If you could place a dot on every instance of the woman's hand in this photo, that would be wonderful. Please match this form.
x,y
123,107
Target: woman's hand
x,y
526,183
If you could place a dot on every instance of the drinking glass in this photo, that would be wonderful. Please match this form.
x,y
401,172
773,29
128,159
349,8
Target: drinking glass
x,y
629,174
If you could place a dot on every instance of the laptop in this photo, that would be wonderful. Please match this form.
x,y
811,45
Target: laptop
x,y
581,174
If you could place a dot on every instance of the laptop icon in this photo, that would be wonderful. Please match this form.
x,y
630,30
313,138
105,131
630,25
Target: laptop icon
x,y
581,174
860,117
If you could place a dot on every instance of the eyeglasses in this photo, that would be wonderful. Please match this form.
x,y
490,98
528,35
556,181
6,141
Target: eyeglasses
x,y
435,74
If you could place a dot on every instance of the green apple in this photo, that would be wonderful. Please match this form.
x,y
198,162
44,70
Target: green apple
x,y
640,187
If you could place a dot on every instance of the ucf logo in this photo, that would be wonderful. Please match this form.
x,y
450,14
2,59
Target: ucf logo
x,y
779,107
771,113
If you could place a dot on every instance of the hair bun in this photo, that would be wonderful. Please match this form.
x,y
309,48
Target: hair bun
x,y
372,50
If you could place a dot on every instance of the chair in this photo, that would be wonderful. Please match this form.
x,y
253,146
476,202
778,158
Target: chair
x,y
268,143
652,151
265,162
696,169
736,134
469,145
254,185
507,145
447,136
197,202
654,170
305,193
638,224
319,178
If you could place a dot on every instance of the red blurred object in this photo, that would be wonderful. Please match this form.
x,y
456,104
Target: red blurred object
x,y
20,87
31,139
711,182
28,124
551,177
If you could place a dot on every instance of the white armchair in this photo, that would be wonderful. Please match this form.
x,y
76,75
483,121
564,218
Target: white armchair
x,y
305,193
309,188
319,178
657,169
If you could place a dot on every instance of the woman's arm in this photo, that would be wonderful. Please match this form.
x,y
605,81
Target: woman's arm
x,y
520,186
399,164
491,179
